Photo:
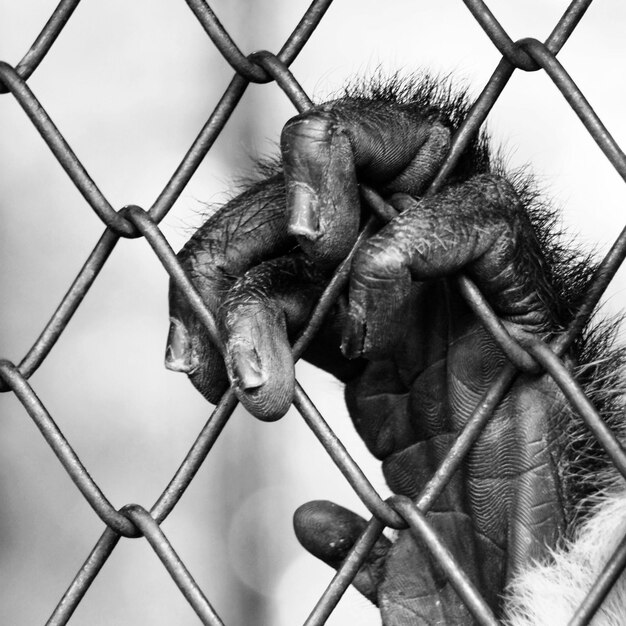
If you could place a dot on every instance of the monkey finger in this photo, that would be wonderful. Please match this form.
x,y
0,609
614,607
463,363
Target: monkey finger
x,y
322,192
190,350
390,146
328,531
477,227
258,359
248,230
261,315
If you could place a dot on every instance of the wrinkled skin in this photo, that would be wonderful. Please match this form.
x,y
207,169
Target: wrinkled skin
x,y
414,359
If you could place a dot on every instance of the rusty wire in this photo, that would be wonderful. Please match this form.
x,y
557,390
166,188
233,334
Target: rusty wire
x,y
525,354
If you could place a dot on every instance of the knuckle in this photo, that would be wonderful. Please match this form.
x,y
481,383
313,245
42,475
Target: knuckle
x,y
500,194
380,258
310,127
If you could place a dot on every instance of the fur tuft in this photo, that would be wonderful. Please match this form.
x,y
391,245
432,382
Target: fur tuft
x,y
549,594
587,472
436,98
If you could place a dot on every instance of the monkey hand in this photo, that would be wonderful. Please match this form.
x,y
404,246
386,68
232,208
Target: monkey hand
x,y
414,359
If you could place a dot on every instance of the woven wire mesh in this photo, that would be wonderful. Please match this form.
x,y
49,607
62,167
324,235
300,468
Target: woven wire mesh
x,y
132,222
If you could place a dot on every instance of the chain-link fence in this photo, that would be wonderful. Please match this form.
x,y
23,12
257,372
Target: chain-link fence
x,y
528,55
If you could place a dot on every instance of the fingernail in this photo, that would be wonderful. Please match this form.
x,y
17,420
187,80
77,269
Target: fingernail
x,y
178,354
353,336
303,205
246,368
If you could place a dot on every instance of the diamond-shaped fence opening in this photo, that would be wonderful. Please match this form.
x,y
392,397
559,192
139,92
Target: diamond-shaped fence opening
x,y
247,72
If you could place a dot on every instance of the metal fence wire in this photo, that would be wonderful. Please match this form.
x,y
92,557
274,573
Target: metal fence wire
x,y
528,55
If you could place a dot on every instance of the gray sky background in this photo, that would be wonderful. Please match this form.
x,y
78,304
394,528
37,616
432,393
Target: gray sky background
x,y
130,84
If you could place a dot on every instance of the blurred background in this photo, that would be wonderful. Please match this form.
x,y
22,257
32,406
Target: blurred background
x,y
129,84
